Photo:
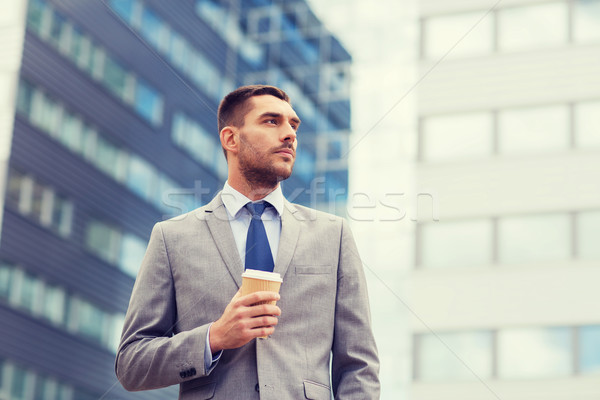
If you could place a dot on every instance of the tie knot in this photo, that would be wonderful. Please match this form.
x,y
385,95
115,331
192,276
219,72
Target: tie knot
x,y
256,209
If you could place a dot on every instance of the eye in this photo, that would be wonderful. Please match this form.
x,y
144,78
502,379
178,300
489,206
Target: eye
x,y
271,121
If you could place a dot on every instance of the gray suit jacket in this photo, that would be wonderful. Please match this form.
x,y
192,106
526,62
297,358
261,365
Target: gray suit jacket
x,y
191,271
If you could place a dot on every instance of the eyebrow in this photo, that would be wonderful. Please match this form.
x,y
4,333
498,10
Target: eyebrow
x,y
278,116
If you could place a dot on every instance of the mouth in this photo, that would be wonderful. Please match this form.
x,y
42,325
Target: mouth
x,y
286,152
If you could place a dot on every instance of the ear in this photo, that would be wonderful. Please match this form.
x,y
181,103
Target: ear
x,y
230,139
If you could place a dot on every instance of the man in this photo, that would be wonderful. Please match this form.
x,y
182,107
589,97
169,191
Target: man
x,y
187,322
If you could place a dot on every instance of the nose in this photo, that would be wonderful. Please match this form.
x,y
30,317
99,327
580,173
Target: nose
x,y
289,134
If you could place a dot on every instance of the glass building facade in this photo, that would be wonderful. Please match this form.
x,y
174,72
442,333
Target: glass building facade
x,y
114,128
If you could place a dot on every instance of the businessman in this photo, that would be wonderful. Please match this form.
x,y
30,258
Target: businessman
x,y
187,322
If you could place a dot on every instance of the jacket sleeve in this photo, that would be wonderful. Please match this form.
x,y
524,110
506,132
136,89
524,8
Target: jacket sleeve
x,y
149,355
355,363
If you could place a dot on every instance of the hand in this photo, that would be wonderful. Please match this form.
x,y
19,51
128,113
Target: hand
x,y
244,320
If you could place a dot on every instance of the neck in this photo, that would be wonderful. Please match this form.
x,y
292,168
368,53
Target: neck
x,y
253,192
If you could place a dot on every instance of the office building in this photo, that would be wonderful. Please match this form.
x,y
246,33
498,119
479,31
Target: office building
x,y
504,285
108,125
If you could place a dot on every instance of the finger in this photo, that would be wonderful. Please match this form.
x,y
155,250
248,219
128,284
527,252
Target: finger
x,y
265,320
258,297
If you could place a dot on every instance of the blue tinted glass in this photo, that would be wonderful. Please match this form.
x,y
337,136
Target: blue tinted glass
x,y
148,103
151,26
589,348
124,8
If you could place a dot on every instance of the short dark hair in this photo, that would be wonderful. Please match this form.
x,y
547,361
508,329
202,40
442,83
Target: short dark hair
x,y
234,106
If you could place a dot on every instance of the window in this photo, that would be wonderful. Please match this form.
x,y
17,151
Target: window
x,y
547,351
21,385
587,124
141,177
456,244
533,238
6,280
103,240
148,103
532,27
533,130
586,20
53,304
588,232
453,356
467,34
132,252
457,136
87,319
589,349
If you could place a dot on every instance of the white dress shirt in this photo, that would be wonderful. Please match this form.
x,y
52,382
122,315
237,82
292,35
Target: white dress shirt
x,y
240,217
239,220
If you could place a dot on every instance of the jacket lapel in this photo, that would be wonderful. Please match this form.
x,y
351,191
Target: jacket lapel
x,y
290,231
217,220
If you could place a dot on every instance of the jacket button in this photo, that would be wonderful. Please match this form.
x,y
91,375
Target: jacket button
x,y
257,388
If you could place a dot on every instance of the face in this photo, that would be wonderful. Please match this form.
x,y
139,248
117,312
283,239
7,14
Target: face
x,y
268,141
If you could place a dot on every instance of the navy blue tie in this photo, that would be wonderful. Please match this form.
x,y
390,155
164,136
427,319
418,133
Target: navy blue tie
x,y
258,251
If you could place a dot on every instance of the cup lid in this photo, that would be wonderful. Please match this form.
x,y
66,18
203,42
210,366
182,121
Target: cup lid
x,y
264,275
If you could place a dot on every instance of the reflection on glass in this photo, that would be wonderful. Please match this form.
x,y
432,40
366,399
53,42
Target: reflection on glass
x,y
456,244
587,124
463,35
531,238
589,349
534,352
533,130
532,27
586,20
454,356
448,137
588,232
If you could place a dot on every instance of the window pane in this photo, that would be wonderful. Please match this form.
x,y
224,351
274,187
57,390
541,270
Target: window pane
x,y
132,253
6,280
106,157
151,26
141,176
54,304
586,20
457,136
71,132
534,238
587,124
102,240
442,34
530,130
535,26
456,244
18,388
588,232
148,103
589,349
90,320
534,352
28,293
443,356
124,8
35,15
115,77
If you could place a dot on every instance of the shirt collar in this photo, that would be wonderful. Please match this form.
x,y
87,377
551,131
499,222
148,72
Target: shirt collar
x,y
234,201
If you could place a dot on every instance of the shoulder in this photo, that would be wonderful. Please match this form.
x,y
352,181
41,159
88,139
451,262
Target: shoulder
x,y
192,219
